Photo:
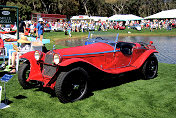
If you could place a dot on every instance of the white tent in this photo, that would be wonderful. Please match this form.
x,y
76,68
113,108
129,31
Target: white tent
x,y
80,17
91,18
124,17
163,15
97,18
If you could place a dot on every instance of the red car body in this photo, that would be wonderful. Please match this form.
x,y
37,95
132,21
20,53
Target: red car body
x,y
119,27
104,57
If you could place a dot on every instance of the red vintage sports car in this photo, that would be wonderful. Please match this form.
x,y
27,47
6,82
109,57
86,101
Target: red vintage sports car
x,y
118,27
67,70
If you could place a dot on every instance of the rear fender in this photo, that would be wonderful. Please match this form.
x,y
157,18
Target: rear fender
x,y
139,62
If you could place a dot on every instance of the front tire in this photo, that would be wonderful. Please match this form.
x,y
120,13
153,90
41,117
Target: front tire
x,y
71,85
23,75
150,68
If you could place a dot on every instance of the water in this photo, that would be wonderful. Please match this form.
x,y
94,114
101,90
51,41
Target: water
x,y
166,46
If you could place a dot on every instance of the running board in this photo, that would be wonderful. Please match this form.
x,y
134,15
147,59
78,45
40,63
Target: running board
x,y
121,70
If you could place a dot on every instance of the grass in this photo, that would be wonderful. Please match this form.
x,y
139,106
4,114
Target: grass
x,y
122,97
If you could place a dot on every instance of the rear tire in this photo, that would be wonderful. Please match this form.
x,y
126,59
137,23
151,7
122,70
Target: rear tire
x,y
71,85
150,68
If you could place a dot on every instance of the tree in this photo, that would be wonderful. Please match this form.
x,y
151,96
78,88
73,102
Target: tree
x,y
84,3
117,5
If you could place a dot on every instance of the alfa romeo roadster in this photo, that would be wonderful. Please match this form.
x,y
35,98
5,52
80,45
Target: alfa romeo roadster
x,y
67,70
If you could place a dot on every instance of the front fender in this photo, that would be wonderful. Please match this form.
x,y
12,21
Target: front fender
x,y
139,62
35,69
30,56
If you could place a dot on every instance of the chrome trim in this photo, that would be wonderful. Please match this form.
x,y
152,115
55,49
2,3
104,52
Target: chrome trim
x,y
92,53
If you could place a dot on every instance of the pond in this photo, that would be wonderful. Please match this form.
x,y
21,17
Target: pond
x,y
166,46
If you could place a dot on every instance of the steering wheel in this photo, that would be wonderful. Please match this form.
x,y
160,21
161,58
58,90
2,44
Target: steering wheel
x,y
99,38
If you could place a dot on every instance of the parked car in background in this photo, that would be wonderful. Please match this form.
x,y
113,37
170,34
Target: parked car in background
x,y
118,27
136,27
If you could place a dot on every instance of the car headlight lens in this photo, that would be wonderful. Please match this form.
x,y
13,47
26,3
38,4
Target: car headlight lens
x,y
37,55
56,59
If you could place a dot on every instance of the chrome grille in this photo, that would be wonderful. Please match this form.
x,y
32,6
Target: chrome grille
x,y
49,70
49,58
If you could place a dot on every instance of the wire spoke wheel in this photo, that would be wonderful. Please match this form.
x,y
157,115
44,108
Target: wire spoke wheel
x,y
23,75
150,67
72,85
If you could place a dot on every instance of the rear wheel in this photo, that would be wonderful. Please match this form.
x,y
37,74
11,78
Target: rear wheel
x,y
71,85
150,68
23,75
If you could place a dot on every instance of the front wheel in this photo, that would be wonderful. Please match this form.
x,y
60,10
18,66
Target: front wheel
x,y
23,75
71,85
150,68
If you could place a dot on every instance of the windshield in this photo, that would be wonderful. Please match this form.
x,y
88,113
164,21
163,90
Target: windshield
x,y
105,37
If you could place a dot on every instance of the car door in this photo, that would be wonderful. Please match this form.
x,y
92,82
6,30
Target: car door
x,y
110,60
122,60
123,55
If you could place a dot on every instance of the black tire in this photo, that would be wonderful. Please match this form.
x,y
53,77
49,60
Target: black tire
x,y
71,85
150,67
23,75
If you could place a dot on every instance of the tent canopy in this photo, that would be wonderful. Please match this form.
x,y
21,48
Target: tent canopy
x,y
80,17
163,15
85,17
97,18
124,17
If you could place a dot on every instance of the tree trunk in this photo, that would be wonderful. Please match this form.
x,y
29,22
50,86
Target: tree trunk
x,y
45,7
85,7
33,5
115,12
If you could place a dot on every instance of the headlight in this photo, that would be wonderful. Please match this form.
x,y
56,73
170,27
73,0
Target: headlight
x,y
37,55
56,59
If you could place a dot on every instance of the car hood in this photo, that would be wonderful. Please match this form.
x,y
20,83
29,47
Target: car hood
x,y
92,48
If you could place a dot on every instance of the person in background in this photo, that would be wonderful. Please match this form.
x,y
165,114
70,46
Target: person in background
x,y
22,26
39,29
25,46
1,46
32,27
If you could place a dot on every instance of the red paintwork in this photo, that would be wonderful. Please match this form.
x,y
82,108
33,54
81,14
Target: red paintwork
x,y
28,29
7,32
35,67
99,55
119,27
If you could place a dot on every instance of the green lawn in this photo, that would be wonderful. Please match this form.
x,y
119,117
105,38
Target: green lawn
x,y
111,98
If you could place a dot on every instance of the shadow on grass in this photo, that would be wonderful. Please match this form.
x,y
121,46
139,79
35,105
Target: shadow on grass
x,y
2,73
20,97
8,102
104,81
47,90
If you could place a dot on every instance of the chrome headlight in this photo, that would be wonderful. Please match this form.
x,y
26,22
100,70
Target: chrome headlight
x,y
37,55
56,58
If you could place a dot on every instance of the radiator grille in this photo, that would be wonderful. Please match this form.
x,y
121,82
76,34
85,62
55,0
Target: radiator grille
x,y
49,70
49,58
